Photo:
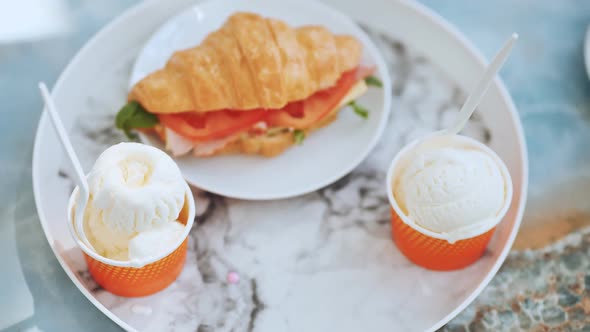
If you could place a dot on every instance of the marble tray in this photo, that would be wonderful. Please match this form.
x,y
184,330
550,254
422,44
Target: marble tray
x,y
319,262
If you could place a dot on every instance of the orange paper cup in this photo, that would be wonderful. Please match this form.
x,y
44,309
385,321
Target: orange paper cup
x,y
436,251
437,254
133,282
138,278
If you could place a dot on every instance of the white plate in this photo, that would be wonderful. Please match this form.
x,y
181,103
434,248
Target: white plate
x,y
325,156
320,262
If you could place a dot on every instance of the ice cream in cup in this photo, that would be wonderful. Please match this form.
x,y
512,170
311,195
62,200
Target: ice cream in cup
x,y
137,220
447,194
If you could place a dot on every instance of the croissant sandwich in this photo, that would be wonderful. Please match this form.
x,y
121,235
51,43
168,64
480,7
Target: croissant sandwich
x,y
254,86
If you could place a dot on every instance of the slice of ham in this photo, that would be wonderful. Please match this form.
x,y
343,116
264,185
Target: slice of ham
x,y
205,149
179,146
176,144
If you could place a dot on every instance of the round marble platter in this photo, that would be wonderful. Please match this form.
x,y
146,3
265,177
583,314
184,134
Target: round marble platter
x,y
319,262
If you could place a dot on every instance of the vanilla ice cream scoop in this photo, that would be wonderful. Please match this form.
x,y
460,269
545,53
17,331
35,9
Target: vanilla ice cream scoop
x,y
451,188
106,242
137,194
135,187
149,243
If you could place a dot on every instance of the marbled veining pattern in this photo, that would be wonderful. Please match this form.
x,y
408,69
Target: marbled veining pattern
x,y
323,261
544,75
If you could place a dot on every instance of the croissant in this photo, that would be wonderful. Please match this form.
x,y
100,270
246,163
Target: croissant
x,y
250,62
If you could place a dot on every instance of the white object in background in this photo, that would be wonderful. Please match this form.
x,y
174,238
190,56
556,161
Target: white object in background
x,y
587,51
80,176
32,20
332,151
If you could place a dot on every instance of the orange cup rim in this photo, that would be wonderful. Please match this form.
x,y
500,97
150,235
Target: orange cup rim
x,y
189,199
469,231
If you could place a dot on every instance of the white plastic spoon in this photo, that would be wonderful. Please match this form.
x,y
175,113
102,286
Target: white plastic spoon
x,y
480,89
83,192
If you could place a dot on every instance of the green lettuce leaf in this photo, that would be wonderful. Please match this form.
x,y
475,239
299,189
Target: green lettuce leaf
x,y
299,136
359,110
133,116
374,81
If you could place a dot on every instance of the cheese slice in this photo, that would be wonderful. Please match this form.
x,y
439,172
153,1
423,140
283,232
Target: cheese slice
x,y
356,91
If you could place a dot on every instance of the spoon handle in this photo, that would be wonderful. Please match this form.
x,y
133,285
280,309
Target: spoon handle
x,y
482,86
84,192
63,137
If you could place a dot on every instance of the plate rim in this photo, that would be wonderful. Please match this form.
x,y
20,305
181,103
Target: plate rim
x,y
418,9
375,137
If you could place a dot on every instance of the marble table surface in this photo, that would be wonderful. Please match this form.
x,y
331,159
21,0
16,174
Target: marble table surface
x,y
545,281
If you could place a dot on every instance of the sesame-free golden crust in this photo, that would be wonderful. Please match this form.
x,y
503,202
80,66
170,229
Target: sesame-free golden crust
x,y
250,62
